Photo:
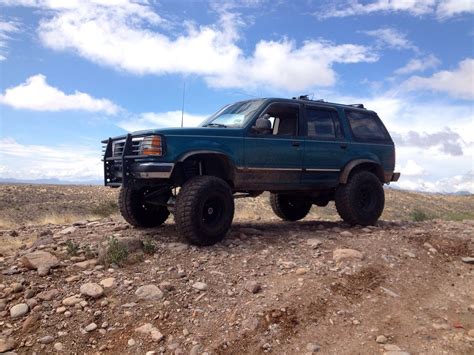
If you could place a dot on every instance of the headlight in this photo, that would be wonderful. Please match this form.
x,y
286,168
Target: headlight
x,y
151,145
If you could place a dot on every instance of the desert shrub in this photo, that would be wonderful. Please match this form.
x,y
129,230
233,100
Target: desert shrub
x,y
72,248
149,247
89,252
115,252
105,208
419,215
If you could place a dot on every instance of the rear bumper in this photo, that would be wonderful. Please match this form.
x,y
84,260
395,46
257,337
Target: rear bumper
x,y
395,177
391,177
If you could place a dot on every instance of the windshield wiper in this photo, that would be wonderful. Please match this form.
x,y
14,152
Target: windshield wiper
x,y
215,125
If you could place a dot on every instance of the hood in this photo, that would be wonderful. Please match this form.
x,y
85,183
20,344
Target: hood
x,y
188,131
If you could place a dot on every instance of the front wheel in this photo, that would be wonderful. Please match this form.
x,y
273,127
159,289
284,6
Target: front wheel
x,y
139,213
204,210
361,200
288,207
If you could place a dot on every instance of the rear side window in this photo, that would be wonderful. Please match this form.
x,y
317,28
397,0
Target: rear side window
x,y
366,126
323,124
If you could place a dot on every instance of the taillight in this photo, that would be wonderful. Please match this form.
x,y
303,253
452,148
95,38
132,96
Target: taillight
x,y
151,145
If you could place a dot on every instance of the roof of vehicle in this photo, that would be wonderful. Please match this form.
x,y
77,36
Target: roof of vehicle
x,y
305,100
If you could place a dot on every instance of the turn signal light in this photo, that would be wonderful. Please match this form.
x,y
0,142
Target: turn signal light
x,y
152,145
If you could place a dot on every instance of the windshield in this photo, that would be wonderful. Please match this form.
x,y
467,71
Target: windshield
x,y
235,115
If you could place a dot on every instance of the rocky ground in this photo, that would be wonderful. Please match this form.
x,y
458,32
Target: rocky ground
x,y
271,287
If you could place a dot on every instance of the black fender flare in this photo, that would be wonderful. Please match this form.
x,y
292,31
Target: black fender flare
x,y
344,176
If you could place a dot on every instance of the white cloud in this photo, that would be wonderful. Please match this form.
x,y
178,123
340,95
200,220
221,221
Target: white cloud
x,y
391,38
36,94
448,8
28,161
354,7
453,184
149,120
446,140
440,8
411,168
6,29
418,64
458,83
127,36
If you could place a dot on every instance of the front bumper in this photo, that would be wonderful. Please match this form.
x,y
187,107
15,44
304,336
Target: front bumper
x,y
127,167
152,170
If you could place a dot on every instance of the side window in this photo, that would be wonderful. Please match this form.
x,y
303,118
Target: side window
x,y
283,120
323,124
366,126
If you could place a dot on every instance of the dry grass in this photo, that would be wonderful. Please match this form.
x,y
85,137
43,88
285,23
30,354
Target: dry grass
x,y
57,218
8,245
6,224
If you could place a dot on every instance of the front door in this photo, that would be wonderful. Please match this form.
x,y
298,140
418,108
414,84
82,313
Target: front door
x,y
274,159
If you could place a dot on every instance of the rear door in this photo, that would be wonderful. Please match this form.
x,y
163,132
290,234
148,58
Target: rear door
x,y
325,146
275,159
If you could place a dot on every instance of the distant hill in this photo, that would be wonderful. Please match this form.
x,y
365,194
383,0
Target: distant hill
x,y
50,182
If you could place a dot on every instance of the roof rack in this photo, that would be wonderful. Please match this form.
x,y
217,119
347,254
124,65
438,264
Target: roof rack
x,y
357,105
306,98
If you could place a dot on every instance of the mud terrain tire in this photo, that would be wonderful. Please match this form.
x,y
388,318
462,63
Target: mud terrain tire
x,y
289,208
138,213
361,200
204,210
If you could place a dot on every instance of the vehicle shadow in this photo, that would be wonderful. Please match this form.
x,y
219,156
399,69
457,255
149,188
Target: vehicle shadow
x,y
264,230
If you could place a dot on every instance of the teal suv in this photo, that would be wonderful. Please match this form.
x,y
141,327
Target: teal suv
x,y
303,152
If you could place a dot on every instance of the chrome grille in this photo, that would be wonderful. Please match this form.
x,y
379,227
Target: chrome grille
x,y
117,147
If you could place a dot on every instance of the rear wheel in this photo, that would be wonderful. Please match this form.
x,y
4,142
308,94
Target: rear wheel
x,y
288,207
204,210
361,200
139,213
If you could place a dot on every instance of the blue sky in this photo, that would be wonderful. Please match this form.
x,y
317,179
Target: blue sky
x,y
74,72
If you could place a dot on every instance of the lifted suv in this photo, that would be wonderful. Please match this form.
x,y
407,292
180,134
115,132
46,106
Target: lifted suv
x,y
304,152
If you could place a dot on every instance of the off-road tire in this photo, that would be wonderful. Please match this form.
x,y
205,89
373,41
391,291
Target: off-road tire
x,y
138,213
204,210
361,200
288,207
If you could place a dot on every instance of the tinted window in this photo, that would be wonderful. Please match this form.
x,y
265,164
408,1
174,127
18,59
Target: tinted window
x,y
366,126
283,120
323,124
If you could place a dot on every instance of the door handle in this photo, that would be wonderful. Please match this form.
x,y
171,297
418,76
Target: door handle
x,y
295,144
343,146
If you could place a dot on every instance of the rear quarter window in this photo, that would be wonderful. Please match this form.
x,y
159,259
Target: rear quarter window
x,y
367,127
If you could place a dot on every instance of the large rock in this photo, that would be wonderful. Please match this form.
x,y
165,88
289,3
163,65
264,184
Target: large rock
x,y
91,289
71,301
314,242
6,344
19,310
40,260
67,231
253,286
346,254
48,295
86,264
148,328
201,286
108,282
149,293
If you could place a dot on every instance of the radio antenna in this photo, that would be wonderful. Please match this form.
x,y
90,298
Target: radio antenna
x,y
182,105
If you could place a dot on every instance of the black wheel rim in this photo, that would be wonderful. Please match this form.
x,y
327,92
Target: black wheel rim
x,y
366,198
212,211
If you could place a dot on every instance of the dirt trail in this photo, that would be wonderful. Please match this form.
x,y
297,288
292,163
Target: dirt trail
x,y
408,288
